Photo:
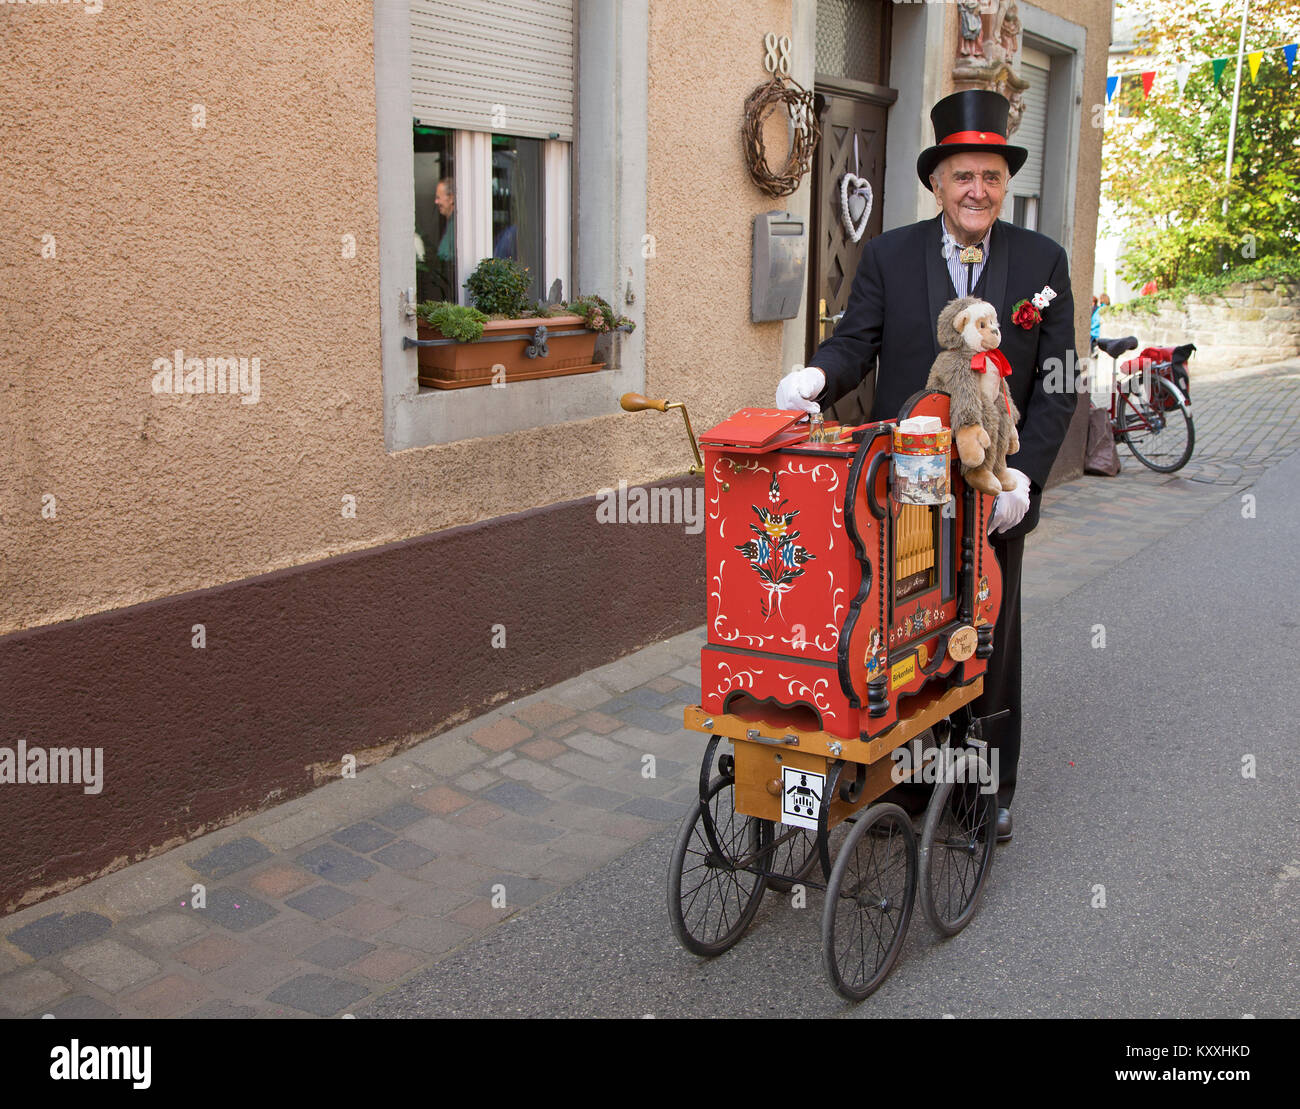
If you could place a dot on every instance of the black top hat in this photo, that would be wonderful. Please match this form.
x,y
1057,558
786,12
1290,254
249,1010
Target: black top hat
x,y
975,119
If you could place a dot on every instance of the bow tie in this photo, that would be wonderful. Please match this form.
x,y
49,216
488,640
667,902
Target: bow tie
x,y
981,362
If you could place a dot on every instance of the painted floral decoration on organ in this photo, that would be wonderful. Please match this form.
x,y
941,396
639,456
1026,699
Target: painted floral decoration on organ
x,y
774,554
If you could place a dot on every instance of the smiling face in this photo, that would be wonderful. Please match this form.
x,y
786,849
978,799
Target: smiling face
x,y
970,188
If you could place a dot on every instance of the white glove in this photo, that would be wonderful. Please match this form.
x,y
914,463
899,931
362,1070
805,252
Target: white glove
x,y
796,390
1009,507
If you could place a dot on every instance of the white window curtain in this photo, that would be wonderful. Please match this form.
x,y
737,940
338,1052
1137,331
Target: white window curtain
x,y
473,206
557,207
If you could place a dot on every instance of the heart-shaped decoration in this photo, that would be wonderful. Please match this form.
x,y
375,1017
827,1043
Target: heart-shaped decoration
x,y
855,193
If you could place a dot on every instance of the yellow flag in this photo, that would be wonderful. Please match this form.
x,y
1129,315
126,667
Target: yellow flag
x,y
1254,57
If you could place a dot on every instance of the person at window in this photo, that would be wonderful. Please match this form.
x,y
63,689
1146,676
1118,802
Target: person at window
x,y
904,279
444,198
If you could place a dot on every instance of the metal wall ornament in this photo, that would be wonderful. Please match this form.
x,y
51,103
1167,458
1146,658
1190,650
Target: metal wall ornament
x,y
805,131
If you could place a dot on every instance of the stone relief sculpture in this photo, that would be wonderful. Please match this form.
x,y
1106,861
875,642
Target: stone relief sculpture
x,y
989,34
972,29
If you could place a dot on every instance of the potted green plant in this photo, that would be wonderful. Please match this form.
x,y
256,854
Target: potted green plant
x,y
500,333
598,315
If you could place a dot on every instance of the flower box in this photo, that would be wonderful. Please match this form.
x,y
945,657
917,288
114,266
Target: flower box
x,y
525,348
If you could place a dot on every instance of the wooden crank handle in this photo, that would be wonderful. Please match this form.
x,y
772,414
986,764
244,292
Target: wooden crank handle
x,y
635,402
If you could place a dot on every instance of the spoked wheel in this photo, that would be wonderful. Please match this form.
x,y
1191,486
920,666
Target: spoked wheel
x,y
957,844
1156,424
711,899
793,853
869,901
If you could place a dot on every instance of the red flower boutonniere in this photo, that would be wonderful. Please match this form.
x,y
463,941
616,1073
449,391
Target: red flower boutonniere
x,y
1024,314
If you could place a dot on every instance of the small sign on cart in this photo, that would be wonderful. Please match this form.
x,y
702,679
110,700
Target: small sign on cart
x,y
801,797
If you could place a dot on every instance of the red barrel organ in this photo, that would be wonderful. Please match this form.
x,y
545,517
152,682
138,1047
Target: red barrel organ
x,y
829,602
842,622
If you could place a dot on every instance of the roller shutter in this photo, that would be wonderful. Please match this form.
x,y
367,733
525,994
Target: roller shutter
x,y
494,65
1032,132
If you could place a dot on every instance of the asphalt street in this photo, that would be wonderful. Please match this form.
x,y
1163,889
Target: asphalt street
x,y
1132,780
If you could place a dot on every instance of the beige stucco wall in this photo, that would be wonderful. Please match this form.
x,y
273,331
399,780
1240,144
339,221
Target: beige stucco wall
x,y
226,240
701,347
220,240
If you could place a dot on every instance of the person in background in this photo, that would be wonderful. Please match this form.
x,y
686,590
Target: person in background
x,y
1097,306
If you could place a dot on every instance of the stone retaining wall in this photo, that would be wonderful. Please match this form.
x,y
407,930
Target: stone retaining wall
x,y
1245,325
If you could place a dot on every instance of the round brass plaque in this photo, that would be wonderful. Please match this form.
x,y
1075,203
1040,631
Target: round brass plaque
x,y
962,643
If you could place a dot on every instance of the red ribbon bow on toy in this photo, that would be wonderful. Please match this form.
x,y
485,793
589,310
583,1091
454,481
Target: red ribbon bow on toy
x,y
981,362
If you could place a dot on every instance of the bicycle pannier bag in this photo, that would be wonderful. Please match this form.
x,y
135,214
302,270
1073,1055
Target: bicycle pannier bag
x,y
1171,364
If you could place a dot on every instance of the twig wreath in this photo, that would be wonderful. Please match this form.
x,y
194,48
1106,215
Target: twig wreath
x,y
799,104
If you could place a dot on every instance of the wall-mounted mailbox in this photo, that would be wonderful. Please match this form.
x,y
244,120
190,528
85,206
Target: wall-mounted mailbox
x,y
780,264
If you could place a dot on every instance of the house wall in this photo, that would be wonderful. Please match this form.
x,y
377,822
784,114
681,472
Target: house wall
x,y
228,240
225,239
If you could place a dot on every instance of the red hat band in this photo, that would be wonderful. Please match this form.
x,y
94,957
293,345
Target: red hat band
x,y
974,136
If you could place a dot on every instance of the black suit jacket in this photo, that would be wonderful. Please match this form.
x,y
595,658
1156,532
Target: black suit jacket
x,y
900,288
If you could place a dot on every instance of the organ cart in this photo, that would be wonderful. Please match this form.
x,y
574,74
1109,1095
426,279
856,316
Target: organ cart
x,y
848,632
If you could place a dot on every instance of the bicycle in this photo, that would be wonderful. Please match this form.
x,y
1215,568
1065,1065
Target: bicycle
x,y
1148,411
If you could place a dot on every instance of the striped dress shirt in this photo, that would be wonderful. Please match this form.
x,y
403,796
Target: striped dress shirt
x,y
956,270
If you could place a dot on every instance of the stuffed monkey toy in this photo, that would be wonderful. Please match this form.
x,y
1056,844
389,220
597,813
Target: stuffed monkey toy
x,y
970,370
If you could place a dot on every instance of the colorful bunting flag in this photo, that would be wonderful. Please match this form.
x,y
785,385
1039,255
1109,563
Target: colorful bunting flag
x,y
1183,70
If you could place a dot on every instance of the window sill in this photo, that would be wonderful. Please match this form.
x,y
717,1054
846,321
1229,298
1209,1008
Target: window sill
x,y
426,416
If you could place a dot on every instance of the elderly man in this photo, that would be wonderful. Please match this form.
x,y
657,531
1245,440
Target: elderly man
x,y
904,279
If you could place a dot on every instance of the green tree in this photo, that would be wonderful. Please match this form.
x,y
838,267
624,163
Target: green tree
x,y
1163,155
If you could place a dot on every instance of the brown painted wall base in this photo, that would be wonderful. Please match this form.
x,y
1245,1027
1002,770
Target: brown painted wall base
x,y
305,665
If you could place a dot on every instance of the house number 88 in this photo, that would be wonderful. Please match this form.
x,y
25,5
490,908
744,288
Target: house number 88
x,y
778,53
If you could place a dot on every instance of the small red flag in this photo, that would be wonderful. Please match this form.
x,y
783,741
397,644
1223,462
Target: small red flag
x,y
1148,79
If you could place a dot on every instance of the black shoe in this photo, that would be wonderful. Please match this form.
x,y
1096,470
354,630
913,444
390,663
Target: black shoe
x,y
1004,825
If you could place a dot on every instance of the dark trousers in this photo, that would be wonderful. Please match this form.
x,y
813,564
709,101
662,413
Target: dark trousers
x,y
1002,679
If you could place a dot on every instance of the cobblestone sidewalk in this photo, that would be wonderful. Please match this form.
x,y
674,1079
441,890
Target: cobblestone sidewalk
x,y
1244,423
318,905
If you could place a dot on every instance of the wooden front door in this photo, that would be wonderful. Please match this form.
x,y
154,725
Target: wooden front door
x,y
847,109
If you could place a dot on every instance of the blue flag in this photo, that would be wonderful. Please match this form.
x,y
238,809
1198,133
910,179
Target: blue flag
x,y
1112,83
1289,51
